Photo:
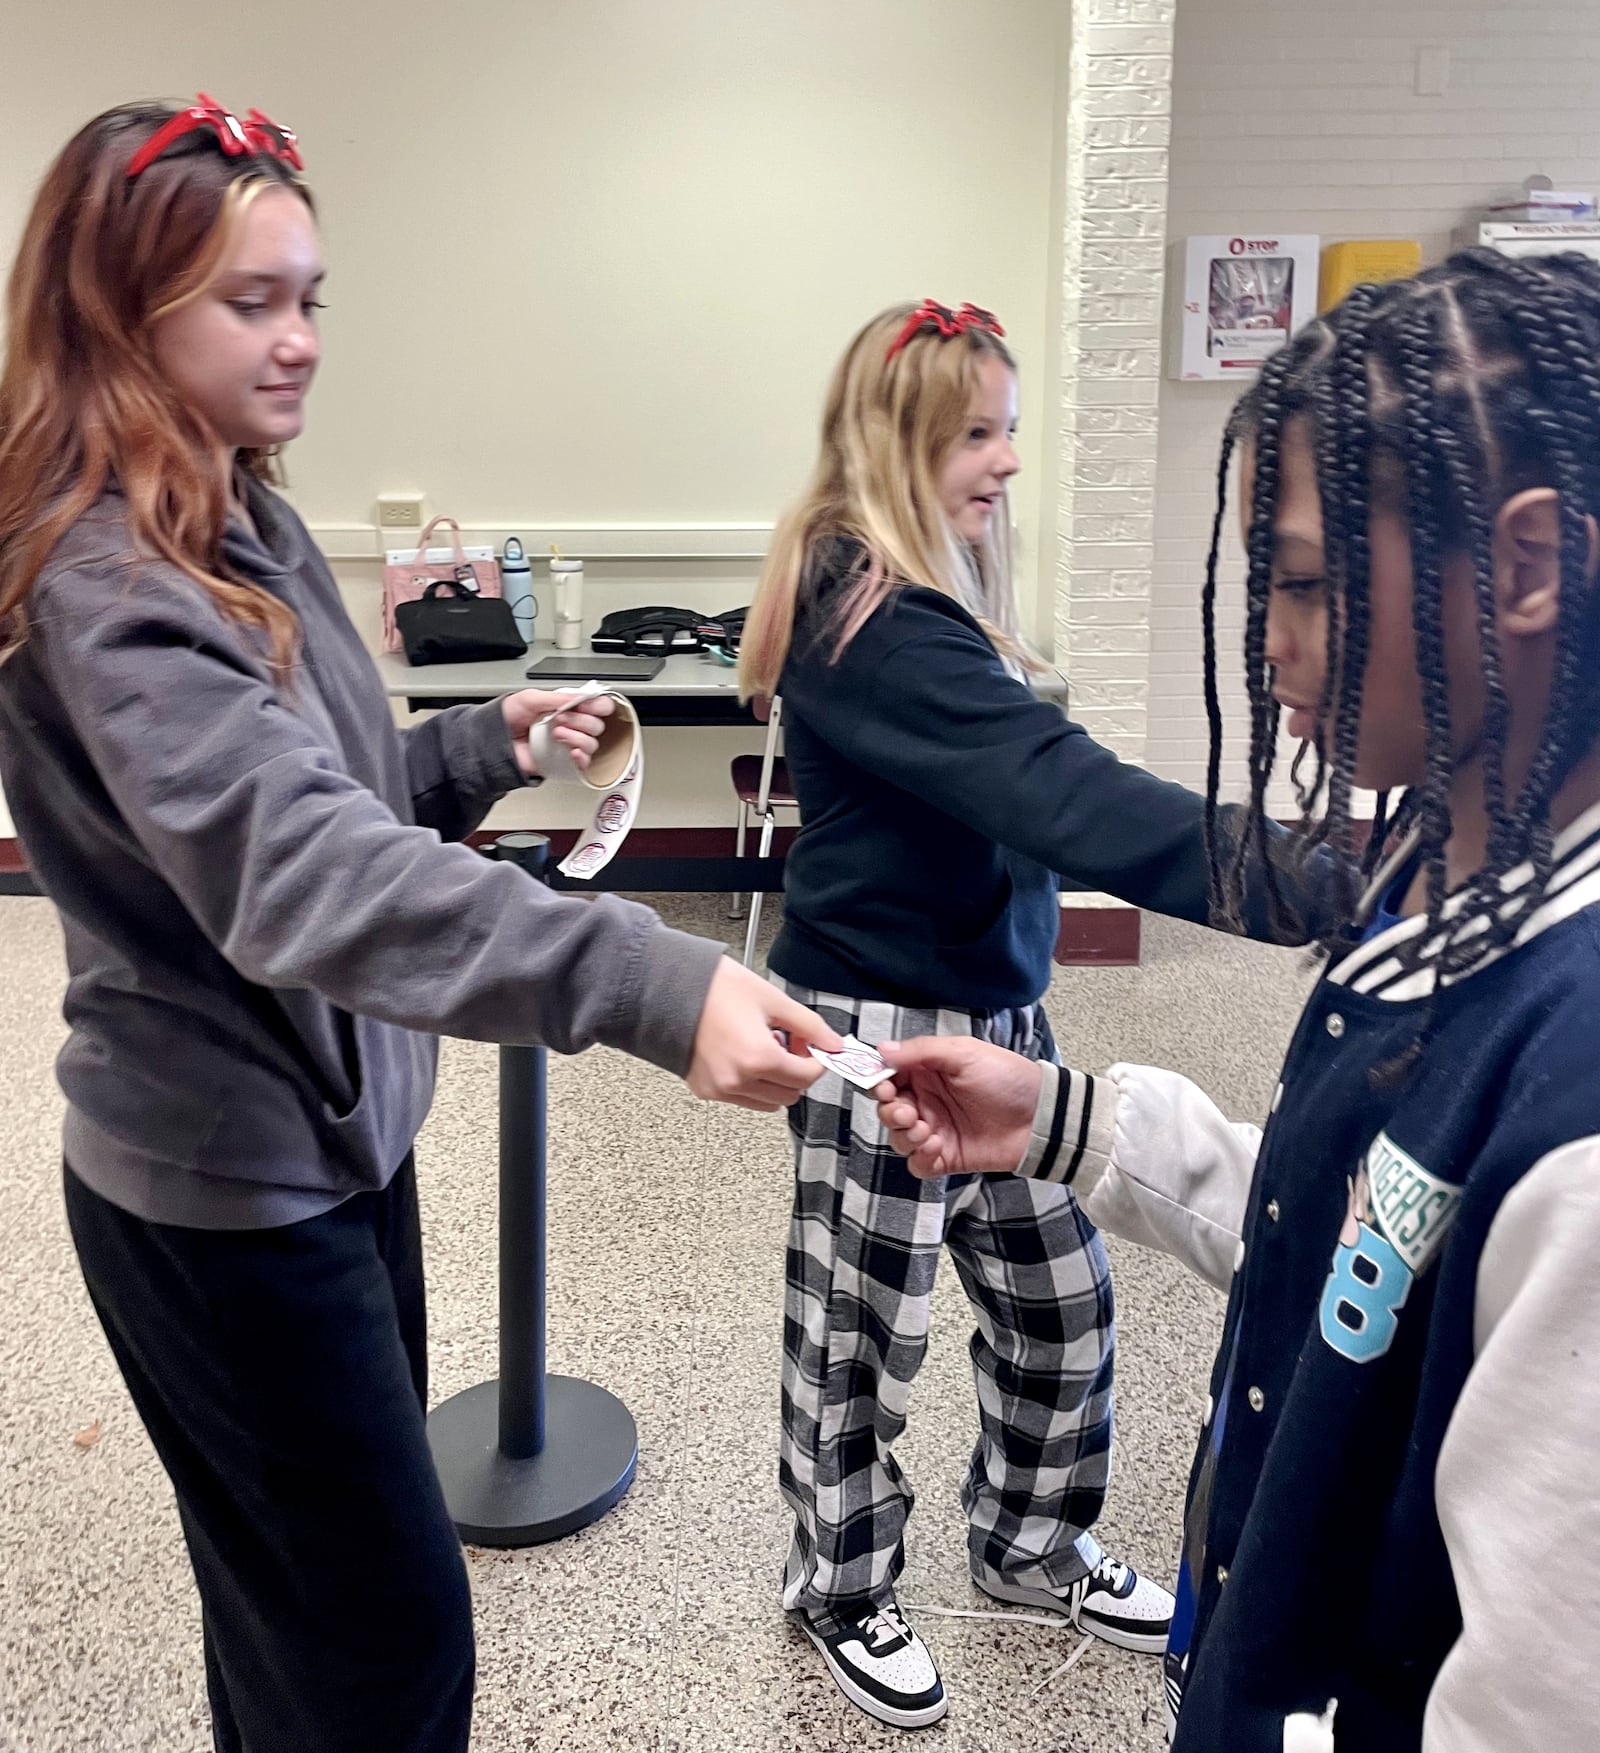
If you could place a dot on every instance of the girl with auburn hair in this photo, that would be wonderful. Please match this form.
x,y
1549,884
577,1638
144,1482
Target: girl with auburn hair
x,y
264,929
942,804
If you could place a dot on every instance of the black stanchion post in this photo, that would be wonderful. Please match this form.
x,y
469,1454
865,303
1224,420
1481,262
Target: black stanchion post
x,y
530,1456
522,1262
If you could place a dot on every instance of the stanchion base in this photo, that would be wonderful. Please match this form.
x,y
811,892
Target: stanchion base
x,y
587,1463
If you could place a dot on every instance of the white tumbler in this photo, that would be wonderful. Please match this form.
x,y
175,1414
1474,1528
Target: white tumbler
x,y
566,578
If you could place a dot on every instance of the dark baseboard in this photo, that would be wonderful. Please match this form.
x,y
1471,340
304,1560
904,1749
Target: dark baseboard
x,y
1098,937
1089,936
661,842
14,877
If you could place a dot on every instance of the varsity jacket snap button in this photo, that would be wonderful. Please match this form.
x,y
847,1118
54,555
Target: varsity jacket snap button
x,y
1272,1209
1257,1399
1238,1255
1222,1573
1335,1025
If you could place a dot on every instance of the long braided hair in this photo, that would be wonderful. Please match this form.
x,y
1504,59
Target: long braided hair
x,y
1465,384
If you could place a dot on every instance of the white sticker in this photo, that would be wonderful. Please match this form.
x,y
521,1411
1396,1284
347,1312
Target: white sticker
x,y
856,1063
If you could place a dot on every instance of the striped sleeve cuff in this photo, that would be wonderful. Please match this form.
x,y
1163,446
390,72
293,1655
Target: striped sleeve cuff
x,y
1072,1127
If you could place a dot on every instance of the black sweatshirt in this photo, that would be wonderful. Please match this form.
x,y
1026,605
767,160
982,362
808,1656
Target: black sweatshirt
x,y
941,803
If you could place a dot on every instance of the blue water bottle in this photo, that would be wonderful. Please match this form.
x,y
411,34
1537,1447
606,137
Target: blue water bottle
x,y
516,581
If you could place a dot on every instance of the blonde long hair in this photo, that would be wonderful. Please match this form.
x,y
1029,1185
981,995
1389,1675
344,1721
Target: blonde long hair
x,y
82,402
888,427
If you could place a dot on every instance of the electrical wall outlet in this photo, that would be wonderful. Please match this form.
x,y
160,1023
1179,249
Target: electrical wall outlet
x,y
400,511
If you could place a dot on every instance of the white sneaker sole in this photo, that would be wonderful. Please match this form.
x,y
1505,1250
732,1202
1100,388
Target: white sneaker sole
x,y
1139,1643
864,1700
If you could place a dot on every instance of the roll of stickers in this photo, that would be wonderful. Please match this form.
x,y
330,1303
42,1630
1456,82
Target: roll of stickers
x,y
615,776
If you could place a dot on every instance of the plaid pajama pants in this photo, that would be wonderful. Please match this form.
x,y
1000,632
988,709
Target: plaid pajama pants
x,y
864,1244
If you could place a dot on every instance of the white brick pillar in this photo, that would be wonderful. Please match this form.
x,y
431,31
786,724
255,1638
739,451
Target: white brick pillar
x,y
1118,133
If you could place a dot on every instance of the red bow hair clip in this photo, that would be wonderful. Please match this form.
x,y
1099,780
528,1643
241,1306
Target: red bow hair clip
x,y
256,134
945,322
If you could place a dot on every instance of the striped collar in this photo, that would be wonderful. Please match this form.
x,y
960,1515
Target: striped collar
x,y
1374,967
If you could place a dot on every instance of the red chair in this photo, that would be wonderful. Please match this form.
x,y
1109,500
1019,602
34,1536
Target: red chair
x,y
761,783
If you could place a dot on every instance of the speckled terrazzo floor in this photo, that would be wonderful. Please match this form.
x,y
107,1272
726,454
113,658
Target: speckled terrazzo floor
x,y
659,1628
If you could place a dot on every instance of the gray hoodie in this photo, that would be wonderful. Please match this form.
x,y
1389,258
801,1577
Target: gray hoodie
x,y
265,928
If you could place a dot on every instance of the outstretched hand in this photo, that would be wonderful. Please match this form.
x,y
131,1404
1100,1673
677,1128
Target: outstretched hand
x,y
958,1106
751,1048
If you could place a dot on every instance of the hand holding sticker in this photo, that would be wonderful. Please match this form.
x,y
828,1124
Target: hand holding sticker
x,y
615,770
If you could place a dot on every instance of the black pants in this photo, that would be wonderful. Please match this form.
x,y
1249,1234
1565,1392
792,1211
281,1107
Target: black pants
x,y
282,1376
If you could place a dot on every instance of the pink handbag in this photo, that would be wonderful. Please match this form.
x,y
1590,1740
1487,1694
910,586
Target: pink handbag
x,y
407,581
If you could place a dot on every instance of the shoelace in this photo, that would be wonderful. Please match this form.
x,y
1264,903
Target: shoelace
x,y
1050,1621
883,1626
1111,1572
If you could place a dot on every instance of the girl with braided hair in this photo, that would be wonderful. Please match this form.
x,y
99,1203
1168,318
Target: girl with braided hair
x,y
1393,1531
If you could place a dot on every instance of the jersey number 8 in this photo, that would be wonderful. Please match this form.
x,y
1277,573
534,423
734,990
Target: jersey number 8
x,y
1363,1297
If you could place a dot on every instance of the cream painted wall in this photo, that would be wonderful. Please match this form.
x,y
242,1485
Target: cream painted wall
x,y
1290,118
592,260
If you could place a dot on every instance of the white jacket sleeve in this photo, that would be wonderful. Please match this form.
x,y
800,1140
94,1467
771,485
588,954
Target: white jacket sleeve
x,y
1518,1480
1151,1158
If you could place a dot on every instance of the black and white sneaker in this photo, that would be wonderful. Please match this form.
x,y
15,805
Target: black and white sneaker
x,y
880,1663
1113,1602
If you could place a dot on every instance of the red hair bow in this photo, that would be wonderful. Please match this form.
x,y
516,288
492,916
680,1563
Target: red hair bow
x,y
945,322
255,134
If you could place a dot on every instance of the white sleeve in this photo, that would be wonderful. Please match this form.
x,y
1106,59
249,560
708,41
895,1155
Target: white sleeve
x,y
1518,1481
1151,1158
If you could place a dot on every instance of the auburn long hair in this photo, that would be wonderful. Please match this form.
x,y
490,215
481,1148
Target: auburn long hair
x,y
887,428
82,402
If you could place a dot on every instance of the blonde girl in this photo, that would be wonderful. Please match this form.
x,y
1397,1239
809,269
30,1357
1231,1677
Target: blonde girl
x,y
942,804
